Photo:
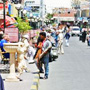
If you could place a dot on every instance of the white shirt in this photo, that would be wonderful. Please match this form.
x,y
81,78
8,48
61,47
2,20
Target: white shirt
x,y
60,38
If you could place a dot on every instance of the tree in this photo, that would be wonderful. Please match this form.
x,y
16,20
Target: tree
x,y
49,16
23,25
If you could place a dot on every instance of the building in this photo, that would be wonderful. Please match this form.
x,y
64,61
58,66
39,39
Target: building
x,y
64,15
35,7
83,9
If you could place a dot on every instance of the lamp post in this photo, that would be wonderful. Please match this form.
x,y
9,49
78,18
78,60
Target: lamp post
x,y
4,2
19,7
24,12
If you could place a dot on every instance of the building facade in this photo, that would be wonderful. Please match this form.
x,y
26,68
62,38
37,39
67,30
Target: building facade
x,y
35,7
83,9
64,14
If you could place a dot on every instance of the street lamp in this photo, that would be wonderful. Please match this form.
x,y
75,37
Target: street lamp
x,y
24,12
4,2
19,7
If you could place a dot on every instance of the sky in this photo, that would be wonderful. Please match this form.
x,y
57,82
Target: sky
x,y
57,3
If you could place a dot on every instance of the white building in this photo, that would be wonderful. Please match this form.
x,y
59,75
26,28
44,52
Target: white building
x,y
35,7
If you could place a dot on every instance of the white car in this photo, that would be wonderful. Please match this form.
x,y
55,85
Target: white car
x,y
75,30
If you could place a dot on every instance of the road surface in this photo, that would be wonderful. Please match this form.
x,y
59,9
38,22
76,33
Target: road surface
x,y
70,71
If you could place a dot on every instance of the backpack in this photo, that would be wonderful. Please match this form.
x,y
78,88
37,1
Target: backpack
x,y
50,55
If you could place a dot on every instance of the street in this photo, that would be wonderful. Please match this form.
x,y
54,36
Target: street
x,y
70,71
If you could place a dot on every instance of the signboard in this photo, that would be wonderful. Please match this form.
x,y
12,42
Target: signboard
x,y
13,34
1,5
32,2
1,9
66,18
27,8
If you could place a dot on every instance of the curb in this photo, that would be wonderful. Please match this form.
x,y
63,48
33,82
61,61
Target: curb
x,y
35,82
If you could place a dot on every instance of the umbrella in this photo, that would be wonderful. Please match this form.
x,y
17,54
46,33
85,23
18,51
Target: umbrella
x,y
8,20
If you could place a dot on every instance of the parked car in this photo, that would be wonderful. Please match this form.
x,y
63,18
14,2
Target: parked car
x,y
75,30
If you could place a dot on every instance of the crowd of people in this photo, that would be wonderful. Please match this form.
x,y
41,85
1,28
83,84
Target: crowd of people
x,y
48,38
39,51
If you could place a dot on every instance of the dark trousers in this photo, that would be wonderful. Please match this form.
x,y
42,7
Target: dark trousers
x,y
1,83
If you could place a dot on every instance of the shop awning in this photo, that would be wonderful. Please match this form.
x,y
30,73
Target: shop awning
x,y
65,18
9,21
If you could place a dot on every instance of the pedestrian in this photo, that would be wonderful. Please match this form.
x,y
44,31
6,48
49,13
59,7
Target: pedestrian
x,y
1,37
45,53
23,64
38,46
53,32
84,35
50,38
5,40
56,38
30,53
1,83
60,42
88,38
67,37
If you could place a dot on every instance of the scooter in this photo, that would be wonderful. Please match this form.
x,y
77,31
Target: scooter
x,y
54,52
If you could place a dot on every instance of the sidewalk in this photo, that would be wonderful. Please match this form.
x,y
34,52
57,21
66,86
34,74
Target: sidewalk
x,y
27,80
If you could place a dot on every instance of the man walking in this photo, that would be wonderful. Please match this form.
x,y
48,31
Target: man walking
x,y
45,53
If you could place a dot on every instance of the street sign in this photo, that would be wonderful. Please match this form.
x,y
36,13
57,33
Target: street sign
x,y
27,8
1,9
32,2
13,34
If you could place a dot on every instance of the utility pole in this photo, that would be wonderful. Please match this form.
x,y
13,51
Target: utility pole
x,y
89,8
41,11
4,14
